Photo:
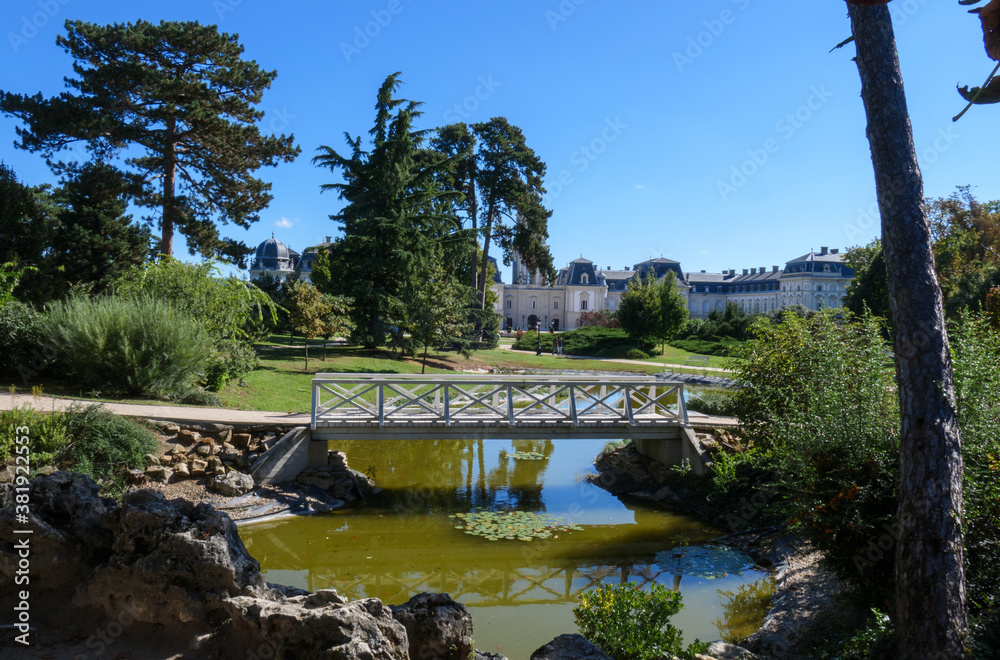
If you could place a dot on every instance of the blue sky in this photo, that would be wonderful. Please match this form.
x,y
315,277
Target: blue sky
x,y
721,133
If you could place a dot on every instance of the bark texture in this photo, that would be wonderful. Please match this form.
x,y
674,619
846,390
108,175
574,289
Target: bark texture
x,y
931,617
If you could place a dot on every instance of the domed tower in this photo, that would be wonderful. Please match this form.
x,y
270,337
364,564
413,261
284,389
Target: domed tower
x,y
274,258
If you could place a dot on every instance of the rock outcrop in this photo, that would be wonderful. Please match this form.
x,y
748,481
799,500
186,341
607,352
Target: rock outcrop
x,y
180,569
436,626
570,647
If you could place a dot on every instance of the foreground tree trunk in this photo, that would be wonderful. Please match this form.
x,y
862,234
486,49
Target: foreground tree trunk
x,y
931,617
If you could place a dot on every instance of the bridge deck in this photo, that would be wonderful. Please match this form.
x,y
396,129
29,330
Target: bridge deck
x,y
410,406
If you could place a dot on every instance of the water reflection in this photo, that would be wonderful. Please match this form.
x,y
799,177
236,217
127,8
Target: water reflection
x,y
402,542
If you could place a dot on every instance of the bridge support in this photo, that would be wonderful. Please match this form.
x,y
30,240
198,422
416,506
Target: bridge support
x,y
289,456
674,451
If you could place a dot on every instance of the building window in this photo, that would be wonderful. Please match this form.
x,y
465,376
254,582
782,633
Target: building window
x,y
583,304
555,304
532,304
510,303
585,279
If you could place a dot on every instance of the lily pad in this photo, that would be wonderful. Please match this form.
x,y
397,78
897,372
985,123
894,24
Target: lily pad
x,y
527,456
512,525
707,561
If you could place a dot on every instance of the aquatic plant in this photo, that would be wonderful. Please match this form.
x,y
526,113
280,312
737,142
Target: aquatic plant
x,y
527,456
512,525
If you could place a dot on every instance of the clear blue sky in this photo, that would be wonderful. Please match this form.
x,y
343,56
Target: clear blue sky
x,y
641,110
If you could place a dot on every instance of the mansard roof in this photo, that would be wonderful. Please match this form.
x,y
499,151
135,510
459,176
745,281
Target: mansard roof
x,y
577,271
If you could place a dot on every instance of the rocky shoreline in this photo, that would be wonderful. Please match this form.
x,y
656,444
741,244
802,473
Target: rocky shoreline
x,y
805,592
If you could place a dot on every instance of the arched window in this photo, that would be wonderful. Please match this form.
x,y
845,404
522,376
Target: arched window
x,y
585,279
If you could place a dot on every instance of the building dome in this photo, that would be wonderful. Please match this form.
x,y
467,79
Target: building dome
x,y
274,258
272,248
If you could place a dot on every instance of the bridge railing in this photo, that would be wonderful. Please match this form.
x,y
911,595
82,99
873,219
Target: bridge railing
x,y
463,399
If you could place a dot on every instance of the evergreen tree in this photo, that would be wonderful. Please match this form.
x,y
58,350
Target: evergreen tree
x,y
390,221
434,310
27,222
95,241
501,179
177,101
931,610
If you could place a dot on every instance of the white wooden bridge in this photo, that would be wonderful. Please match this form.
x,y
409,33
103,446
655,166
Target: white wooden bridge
x,y
475,407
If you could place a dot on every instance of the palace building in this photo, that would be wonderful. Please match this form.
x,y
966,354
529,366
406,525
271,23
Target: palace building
x,y
815,280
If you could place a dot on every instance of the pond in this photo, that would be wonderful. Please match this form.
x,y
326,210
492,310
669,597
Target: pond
x,y
412,537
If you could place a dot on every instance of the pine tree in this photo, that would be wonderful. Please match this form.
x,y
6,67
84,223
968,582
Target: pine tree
x,y
96,242
177,101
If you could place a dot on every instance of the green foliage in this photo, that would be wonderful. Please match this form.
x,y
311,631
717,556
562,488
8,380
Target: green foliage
x,y
639,308
105,446
722,347
391,218
20,337
10,277
630,624
602,318
733,323
95,241
873,641
27,220
592,341
191,118
434,310
713,402
307,312
47,432
133,345
869,290
976,352
224,307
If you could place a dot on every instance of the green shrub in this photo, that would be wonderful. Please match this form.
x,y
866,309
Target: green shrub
x,y
976,351
590,341
630,624
136,346
20,338
47,432
712,346
105,446
713,402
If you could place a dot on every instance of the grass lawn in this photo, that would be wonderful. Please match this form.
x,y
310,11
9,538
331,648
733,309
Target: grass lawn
x,y
281,382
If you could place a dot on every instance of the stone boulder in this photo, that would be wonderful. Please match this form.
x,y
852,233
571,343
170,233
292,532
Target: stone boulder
x,y
570,647
719,650
72,530
436,626
233,484
171,560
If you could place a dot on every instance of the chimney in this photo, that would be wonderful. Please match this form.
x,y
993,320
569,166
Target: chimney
x,y
745,271
703,271
835,251
774,269
626,267
328,238
823,250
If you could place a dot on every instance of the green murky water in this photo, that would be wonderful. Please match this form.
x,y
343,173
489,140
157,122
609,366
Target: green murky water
x,y
521,593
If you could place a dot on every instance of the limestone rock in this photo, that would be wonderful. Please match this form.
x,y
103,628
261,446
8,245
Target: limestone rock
x,y
723,651
487,655
170,561
232,484
152,459
436,627
570,647
318,626
241,440
204,450
198,467
7,474
181,470
188,437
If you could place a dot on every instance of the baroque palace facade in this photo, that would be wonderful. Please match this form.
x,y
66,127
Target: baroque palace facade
x,y
815,280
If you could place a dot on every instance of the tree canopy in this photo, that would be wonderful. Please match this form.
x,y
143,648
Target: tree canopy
x,y
176,101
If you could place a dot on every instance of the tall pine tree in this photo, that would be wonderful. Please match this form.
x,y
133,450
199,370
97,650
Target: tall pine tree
x,y
177,101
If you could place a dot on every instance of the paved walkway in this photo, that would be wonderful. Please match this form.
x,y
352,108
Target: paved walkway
x,y
166,413
643,363
224,415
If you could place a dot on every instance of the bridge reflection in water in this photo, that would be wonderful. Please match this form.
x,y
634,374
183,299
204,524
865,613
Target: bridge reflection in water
x,y
503,573
403,542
